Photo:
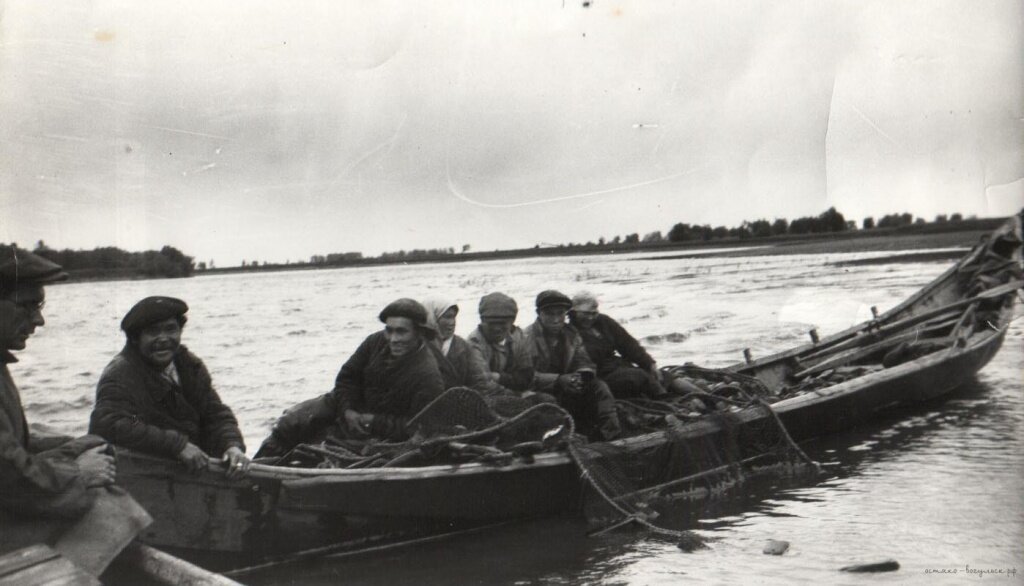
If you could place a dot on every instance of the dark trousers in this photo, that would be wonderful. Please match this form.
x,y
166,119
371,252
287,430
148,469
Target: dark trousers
x,y
593,410
627,382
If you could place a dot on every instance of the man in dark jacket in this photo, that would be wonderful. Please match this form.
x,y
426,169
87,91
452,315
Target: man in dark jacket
x,y
621,361
48,484
563,369
391,377
155,396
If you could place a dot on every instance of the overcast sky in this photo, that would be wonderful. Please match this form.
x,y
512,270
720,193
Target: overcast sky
x,y
273,130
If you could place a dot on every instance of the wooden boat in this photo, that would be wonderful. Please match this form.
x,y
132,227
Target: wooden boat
x,y
822,387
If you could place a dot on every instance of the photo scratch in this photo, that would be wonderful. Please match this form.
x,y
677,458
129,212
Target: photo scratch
x,y
188,132
455,191
873,125
388,144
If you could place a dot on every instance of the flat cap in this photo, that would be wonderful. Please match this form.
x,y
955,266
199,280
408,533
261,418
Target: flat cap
x,y
21,267
151,310
552,298
409,308
497,305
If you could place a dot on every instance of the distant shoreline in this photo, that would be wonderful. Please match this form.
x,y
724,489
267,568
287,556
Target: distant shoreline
x,y
922,256
956,235
899,240
904,248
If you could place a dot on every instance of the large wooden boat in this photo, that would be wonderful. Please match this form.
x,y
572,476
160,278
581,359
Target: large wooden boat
x,y
931,343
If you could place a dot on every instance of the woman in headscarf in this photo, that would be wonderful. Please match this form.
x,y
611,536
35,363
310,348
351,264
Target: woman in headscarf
x,y
461,364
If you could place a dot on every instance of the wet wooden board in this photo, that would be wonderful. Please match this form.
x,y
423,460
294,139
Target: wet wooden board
x,y
41,564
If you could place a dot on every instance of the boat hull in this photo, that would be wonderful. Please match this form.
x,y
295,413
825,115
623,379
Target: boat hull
x,y
867,398
277,511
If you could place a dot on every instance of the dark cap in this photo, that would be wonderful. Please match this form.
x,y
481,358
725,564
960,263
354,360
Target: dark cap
x,y
151,310
551,298
497,305
411,309
21,267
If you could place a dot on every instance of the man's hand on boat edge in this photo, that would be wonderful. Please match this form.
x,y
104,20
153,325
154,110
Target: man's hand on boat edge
x,y
193,458
237,463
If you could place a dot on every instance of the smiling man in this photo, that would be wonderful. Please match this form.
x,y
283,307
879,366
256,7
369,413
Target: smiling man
x,y
157,397
389,378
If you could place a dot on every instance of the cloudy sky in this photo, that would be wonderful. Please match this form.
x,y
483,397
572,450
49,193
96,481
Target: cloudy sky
x,y
273,130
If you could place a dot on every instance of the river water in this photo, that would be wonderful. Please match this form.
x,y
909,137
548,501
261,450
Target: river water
x,y
938,488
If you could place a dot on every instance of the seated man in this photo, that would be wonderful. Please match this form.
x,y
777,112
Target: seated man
x,y
155,396
503,348
501,344
390,378
563,369
43,492
621,361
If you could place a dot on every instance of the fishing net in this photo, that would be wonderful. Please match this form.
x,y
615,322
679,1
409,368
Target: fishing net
x,y
700,441
458,426
716,429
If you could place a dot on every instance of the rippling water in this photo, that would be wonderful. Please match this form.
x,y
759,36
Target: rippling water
x,y
939,488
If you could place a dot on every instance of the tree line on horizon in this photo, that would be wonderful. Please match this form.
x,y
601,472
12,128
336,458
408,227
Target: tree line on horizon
x,y
113,262
829,221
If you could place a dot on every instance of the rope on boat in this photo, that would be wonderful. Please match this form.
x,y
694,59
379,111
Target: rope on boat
x,y
598,464
627,516
789,439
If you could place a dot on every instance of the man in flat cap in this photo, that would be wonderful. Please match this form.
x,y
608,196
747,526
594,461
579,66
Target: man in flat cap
x,y
157,397
563,369
390,378
622,362
47,484
501,344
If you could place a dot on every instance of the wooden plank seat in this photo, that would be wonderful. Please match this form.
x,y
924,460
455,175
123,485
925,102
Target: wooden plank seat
x,y
38,565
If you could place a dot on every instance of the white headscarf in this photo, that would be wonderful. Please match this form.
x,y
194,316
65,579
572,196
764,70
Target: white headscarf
x,y
436,306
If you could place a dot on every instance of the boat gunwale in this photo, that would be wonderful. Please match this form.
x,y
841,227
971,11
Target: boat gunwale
x,y
1011,225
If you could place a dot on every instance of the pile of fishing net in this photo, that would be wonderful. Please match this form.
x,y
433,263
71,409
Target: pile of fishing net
x,y
700,441
457,427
